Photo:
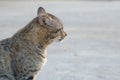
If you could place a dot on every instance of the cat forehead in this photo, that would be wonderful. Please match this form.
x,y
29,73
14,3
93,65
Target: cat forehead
x,y
54,22
53,17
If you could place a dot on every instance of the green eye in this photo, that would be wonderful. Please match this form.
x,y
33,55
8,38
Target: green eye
x,y
57,30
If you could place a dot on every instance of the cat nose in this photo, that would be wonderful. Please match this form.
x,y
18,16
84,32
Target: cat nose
x,y
65,34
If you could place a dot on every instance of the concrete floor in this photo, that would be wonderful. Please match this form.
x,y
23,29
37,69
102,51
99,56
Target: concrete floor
x,y
91,50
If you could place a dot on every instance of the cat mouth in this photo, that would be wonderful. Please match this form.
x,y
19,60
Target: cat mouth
x,y
60,39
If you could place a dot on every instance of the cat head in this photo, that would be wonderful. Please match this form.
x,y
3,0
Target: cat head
x,y
53,25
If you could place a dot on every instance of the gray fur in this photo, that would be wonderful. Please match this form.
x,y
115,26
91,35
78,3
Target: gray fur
x,y
24,54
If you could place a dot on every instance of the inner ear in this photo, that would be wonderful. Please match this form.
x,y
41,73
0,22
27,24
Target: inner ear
x,y
43,20
40,11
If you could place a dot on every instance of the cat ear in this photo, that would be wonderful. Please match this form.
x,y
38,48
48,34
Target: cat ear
x,y
40,11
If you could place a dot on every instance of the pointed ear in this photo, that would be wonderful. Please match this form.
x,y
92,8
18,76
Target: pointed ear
x,y
41,10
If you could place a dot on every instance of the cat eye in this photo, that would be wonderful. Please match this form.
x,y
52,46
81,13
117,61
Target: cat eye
x,y
58,30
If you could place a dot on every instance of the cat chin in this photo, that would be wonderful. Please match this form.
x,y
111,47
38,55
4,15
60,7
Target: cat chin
x,y
61,41
58,40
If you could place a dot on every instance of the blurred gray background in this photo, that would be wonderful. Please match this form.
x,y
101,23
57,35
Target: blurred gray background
x,y
91,50
59,0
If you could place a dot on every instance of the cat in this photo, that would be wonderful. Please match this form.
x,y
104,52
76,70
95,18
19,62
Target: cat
x,y
24,54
